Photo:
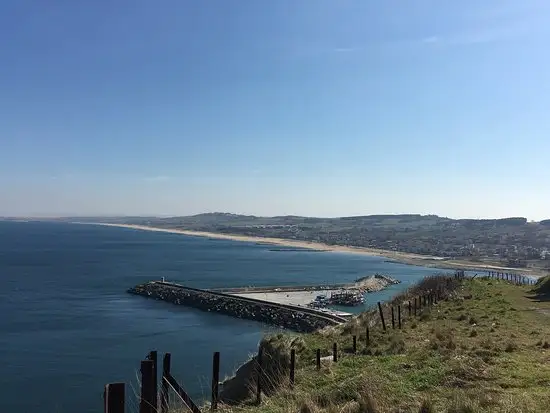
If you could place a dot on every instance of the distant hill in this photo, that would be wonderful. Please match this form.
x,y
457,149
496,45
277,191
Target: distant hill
x,y
511,240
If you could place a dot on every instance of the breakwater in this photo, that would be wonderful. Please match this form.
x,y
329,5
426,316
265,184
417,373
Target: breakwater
x,y
369,283
282,315
286,288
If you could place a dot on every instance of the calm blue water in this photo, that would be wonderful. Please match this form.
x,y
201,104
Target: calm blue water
x,y
67,326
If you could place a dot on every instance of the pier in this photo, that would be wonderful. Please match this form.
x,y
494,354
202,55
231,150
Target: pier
x,y
370,283
298,308
293,317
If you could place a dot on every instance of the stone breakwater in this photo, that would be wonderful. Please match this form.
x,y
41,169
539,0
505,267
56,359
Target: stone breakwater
x,y
282,315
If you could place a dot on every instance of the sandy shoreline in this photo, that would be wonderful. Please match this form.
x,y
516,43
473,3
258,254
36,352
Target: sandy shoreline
x,y
399,257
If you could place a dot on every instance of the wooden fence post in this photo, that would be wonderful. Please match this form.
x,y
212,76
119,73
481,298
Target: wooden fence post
x,y
399,315
415,306
392,318
114,398
367,337
381,316
166,361
354,344
335,352
292,366
147,402
410,309
259,376
215,379
153,356
318,359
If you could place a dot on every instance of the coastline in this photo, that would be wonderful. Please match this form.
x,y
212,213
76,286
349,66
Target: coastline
x,y
398,257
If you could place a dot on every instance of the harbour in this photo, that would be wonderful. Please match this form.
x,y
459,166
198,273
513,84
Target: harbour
x,y
299,308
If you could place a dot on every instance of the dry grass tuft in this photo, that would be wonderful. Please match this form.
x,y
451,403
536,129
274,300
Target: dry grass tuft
x,y
367,404
426,407
510,347
307,406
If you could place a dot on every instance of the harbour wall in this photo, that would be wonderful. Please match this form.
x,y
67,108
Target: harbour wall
x,y
283,315
358,284
286,288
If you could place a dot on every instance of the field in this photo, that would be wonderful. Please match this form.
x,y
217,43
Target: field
x,y
484,349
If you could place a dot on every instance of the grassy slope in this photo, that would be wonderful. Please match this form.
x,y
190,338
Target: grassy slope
x,y
486,350
543,287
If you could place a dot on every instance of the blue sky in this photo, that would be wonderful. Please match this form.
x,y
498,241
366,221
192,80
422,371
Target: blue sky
x,y
305,107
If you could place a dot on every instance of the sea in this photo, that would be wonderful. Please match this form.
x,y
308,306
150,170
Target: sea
x,y
68,327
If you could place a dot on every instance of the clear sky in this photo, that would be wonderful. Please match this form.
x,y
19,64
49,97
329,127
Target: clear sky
x,y
310,107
